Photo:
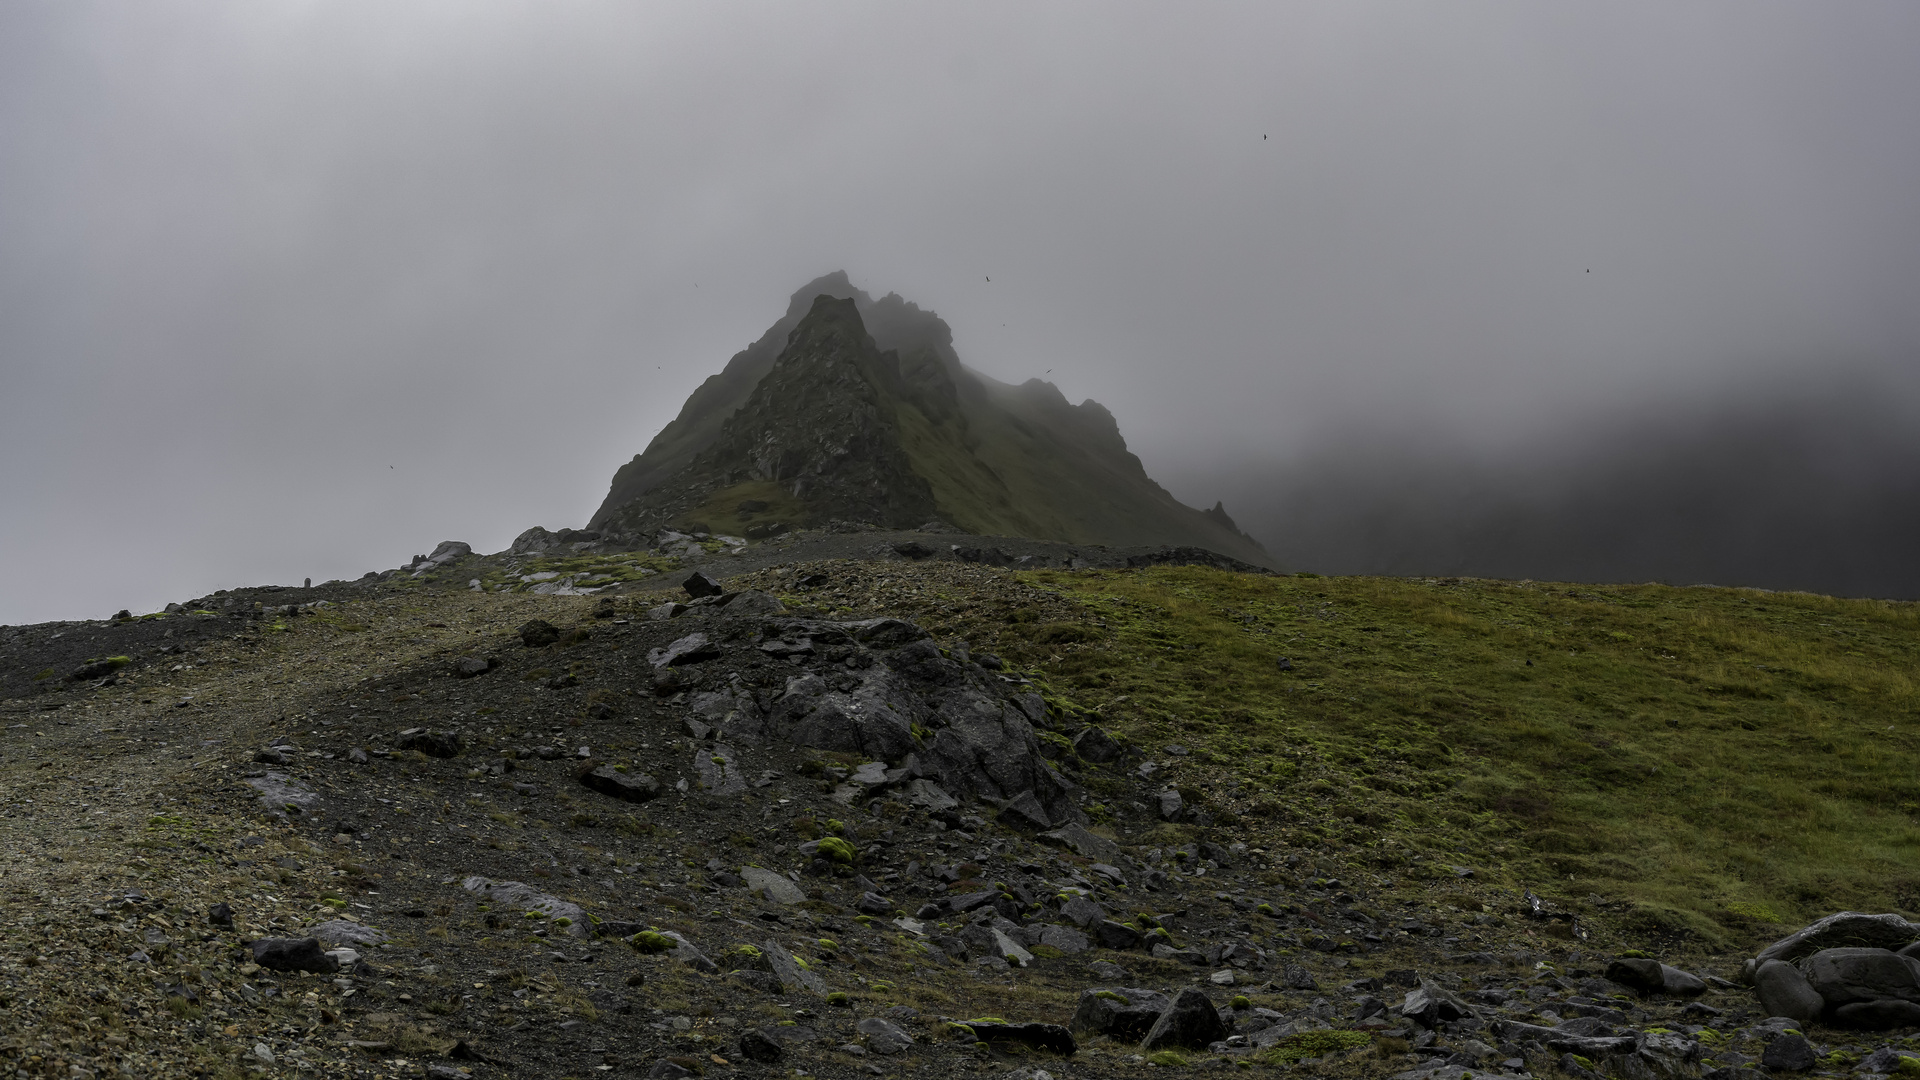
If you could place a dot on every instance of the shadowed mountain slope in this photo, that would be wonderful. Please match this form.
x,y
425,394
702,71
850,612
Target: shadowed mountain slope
x,y
859,409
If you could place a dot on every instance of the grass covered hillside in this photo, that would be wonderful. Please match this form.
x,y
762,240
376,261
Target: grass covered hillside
x,y
1695,763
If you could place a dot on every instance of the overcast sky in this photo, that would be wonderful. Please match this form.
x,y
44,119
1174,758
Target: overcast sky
x,y
294,289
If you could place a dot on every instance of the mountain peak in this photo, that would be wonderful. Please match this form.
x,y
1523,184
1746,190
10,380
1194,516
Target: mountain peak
x,y
858,409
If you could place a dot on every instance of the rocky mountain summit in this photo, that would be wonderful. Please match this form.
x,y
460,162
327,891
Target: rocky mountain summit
x,y
859,410
757,825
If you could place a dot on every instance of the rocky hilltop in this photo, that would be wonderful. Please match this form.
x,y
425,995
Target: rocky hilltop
x,y
856,409
784,823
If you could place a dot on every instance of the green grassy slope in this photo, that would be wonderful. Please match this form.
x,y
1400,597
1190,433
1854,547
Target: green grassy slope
x,y
1700,761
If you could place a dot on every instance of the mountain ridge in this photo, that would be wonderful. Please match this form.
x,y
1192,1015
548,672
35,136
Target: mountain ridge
x,y
900,431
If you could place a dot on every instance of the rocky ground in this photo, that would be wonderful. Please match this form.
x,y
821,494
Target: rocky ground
x,y
645,834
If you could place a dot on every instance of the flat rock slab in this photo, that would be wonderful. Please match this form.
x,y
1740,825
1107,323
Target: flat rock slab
x,y
1051,1038
778,962
346,932
1083,842
1847,929
776,888
627,787
283,796
884,1036
524,898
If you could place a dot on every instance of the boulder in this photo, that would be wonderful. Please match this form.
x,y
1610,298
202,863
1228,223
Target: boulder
x,y
883,1036
1854,974
1784,991
535,633
293,954
1170,805
774,887
1847,929
468,666
1882,1015
1116,935
1789,1052
1065,938
1649,977
699,584
1191,1022
692,649
1051,1038
1126,1013
440,744
1082,842
1083,912
757,1045
1096,746
1024,812
627,787
1430,1005
787,972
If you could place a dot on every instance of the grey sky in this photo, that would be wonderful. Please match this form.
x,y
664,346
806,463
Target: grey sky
x,y
297,289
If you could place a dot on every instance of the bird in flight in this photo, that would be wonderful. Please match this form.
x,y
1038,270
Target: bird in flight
x,y
989,279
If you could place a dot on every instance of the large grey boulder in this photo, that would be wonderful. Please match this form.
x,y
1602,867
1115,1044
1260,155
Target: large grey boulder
x,y
1784,991
775,888
1123,1012
1847,929
1842,976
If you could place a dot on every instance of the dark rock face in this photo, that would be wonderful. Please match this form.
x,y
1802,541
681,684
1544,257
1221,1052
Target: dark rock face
x,y
820,424
293,954
1191,1022
1119,1011
699,584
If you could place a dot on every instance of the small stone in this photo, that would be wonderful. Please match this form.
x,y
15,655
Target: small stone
x,y
468,666
1223,977
220,915
699,584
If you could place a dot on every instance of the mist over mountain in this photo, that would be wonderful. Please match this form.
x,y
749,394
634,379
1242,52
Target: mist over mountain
x,y
1813,484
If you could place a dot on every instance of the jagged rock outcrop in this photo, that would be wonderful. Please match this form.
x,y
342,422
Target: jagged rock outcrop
x,y
854,409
